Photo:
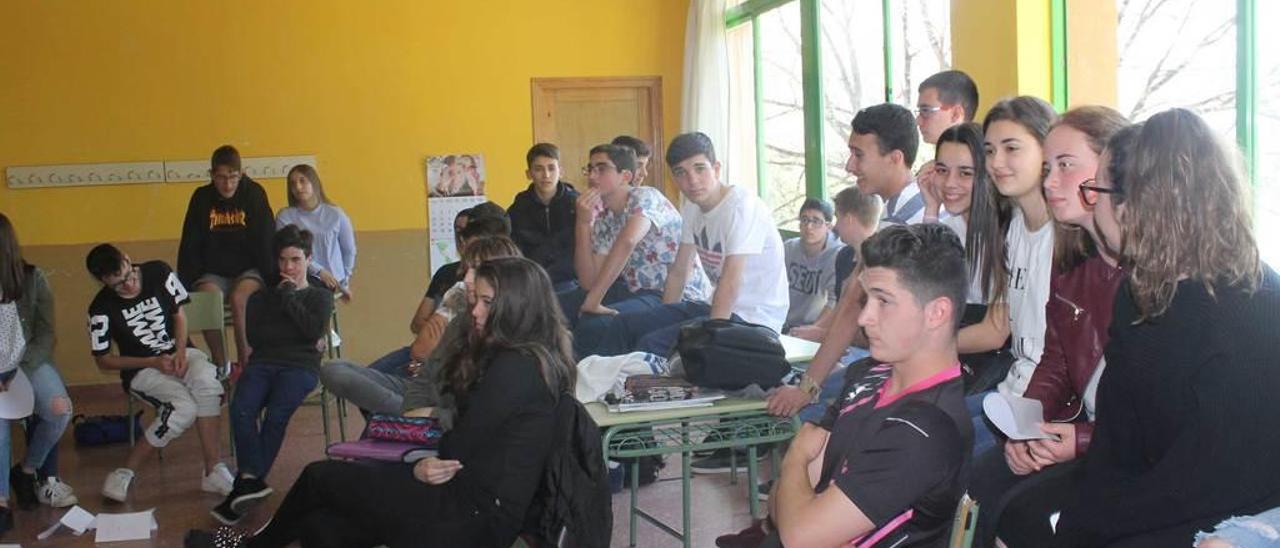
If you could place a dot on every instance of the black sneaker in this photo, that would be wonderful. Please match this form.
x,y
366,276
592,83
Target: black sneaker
x,y
24,487
719,462
224,537
224,514
247,491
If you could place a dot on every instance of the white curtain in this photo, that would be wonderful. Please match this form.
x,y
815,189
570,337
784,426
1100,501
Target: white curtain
x,y
706,76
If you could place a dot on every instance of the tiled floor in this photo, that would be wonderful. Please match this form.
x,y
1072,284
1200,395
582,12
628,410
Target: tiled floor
x,y
172,487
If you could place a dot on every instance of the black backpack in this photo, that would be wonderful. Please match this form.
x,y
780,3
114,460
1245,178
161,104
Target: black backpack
x,y
573,497
731,355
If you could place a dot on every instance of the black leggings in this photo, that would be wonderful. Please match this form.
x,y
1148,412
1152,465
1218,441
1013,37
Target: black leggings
x,y
343,504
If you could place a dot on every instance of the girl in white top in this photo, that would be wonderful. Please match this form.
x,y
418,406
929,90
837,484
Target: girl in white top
x,y
334,248
1014,132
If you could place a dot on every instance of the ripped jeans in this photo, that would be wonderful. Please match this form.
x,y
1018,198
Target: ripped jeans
x,y
1247,531
48,387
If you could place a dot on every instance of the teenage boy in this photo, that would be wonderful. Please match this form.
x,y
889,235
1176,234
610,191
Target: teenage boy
x,y
139,308
287,321
643,153
226,243
627,238
882,149
887,463
946,99
542,215
728,230
811,264
857,216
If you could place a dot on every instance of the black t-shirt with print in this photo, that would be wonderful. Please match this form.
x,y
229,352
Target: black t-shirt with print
x,y
143,326
903,459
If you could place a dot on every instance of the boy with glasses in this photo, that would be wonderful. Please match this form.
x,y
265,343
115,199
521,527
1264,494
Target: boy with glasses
x,y
226,243
811,264
946,99
139,308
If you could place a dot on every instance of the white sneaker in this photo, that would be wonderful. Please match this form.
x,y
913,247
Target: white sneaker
x,y
116,486
55,493
218,481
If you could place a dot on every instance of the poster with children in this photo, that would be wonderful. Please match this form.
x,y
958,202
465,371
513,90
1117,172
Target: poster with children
x,y
454,182
455,175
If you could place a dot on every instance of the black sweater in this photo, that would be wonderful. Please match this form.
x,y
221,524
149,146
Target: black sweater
x,y
544,232
226,236
285,325
1188,429
502,437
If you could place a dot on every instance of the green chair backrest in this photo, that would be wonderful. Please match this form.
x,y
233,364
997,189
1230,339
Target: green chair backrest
x,y
205,312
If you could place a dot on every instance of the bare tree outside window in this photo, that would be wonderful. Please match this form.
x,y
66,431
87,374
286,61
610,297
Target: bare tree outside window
x,y
851,46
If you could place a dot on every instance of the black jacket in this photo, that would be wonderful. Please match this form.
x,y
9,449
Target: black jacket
x,y
574,492
226,236
544,232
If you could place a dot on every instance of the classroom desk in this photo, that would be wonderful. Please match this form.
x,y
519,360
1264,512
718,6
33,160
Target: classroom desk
x,y
729,423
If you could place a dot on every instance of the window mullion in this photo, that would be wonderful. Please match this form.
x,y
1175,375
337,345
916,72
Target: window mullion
x,y
811,80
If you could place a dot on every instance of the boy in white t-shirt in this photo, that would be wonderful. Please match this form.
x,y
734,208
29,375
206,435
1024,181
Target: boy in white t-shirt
x,y
731,233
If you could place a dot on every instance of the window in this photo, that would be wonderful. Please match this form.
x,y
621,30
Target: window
x,y
1266,172
767,56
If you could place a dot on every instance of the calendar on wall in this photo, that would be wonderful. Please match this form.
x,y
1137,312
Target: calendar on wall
x,y
454,182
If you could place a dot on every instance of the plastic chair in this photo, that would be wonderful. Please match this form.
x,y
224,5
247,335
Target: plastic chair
x,y
333,344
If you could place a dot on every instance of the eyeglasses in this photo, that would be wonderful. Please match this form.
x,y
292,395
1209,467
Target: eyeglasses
x,y
131,276
597,169
233,176
812,221
925,110
1089,186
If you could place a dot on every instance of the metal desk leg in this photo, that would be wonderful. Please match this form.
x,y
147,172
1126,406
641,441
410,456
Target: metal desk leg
x,y
685,486
733,466
635,487
752,478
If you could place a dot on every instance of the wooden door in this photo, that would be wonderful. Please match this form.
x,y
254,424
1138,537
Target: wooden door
x,y
578,113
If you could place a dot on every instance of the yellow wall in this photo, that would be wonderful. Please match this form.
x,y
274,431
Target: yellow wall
x,y
1004,46
371,88
1091,52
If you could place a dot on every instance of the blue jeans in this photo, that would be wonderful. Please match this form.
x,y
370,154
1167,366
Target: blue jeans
x,y
592,328
654,330
266,396
984,433
393,363
572,299
43,435
1254,531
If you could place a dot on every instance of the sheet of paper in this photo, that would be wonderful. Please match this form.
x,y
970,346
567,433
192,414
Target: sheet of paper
x,y
117,527
10,546
1018,417
77,519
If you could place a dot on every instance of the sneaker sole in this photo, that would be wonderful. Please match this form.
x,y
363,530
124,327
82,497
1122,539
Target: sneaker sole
x,y
115,497
223,520
62,503
248,498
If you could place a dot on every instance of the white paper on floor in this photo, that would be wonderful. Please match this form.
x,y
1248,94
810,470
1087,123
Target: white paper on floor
x,y
131,526
111,527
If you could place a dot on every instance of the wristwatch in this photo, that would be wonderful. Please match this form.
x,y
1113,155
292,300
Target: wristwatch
x,y
808,386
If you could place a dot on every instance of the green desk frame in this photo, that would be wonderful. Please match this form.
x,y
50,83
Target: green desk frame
x,y
730,423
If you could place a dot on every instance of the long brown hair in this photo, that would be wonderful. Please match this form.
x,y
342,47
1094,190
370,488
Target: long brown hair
x,y
1185,214
525,317
12,267
316,186
1071,244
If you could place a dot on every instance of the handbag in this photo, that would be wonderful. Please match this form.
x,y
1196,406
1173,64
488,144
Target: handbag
x,y
91,431
731,355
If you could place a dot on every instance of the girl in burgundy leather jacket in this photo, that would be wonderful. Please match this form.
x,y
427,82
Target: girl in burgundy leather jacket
x,y
1078,313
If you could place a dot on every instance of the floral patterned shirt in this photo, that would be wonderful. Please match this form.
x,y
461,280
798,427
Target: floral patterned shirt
x,y
646,268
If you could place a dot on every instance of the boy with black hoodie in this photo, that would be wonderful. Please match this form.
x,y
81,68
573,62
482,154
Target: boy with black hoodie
x,y
542,215
226,243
